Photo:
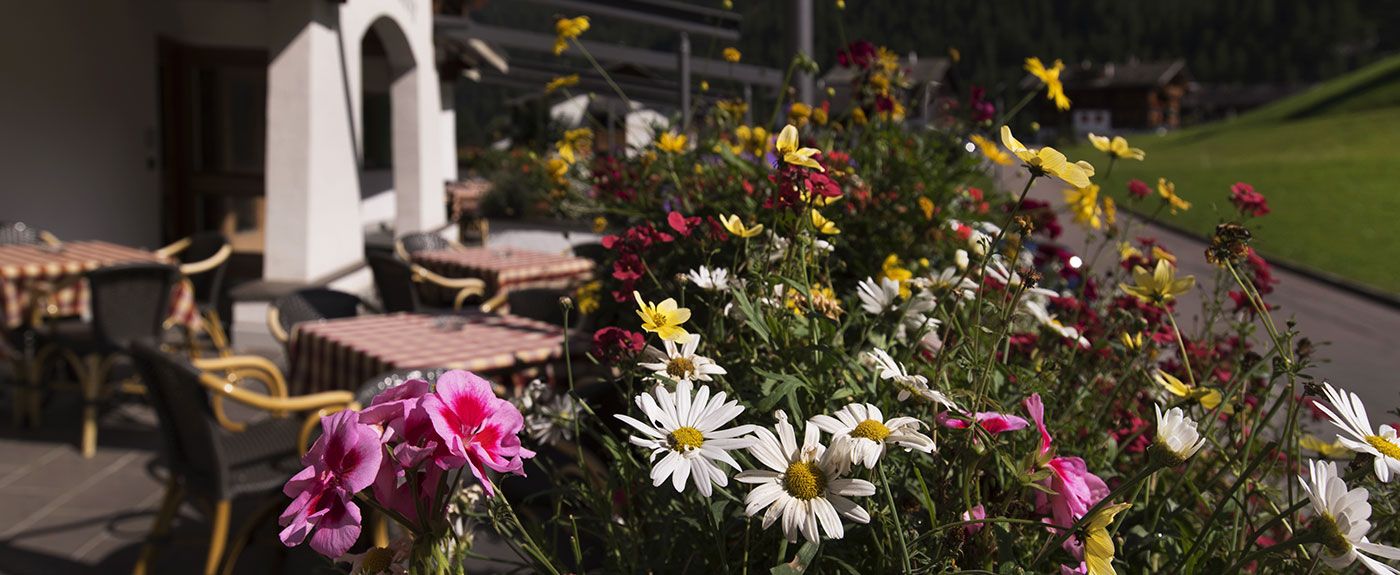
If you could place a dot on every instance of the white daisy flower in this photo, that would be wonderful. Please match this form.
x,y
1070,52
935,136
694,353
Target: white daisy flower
x,y
997,270
960,258
1047,320
716,279
952,279
1177,438
802,485
1349,413
1344,516
681,364
908,384
860,434
549,415
877,297
687,432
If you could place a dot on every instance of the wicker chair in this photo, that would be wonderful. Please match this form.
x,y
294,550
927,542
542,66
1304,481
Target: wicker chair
x,y
397,283
540,304
128,302
312,304
410,244
203,260
592,250
19,233
216,459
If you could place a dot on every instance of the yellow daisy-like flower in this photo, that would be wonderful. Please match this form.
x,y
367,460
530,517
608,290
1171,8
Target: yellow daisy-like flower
x,y
824,225
1048,161
588,297
1098,543
1160,253
991,150
799,113
558,169
566,29
1334,450
664,319
600,225
1209,398
1050,77
733,108
752,139
1132,342
1110,211
1168,192
1159,285
858,116
732,55
671,143
1126,251
736,226
926,206
788,148
1116,147
560,82
894,270
573,143
819,116
1084,206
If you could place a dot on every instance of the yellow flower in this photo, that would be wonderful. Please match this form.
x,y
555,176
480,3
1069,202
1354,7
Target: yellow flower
x,y
732,55
1110,211
1160,253
792,154
858,116
893,269
825,302
574,142
587,296
1098,544
728,4
704,86
1132,341
558,168
1126,251
889,60
1117,147
1334,450
1084,206
880,81
664,319
566,29
1048,161
840,4
561,82
671,143
1209,398
895,113
1054,90
736,226
824,225
819,116
1168,192
991,150
600,225
926,206
751,139
733,108
1158,286
798,113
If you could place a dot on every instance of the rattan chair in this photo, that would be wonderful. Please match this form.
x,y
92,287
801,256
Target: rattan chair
x,y
312,304
203,260
20,233
216,459
540,304
409,244
128,302
397,283
592,250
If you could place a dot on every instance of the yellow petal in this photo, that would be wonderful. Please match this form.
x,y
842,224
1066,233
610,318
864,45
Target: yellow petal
x,y
1011,142
787,139
1100,143
1174,385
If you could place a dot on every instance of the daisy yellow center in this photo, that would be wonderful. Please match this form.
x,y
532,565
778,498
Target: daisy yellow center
x,y
1332,538
872,430
685,438
377,560
680,367
1384,446
804,480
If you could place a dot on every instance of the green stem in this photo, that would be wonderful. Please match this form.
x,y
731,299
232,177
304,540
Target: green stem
x,y
898,526
1185,358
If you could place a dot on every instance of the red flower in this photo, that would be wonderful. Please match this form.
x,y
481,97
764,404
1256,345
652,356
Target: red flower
x,y
615,343
681,224
1138,189
1248,201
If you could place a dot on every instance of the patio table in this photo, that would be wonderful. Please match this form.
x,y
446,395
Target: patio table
x,y
23,268
504,268
342,354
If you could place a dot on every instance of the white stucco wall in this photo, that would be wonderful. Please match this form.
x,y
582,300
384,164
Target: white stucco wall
x,y
78,127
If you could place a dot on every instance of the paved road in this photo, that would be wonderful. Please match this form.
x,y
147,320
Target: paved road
x,y
1360,338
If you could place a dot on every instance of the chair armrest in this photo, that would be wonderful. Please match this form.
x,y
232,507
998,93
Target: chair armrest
x,y
214,261
50,239
274,325
261,369
276,405
466,286
495,304
172,250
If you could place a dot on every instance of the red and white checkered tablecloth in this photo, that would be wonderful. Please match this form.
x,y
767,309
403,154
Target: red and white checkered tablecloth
x,y
23,268
345,353
508,268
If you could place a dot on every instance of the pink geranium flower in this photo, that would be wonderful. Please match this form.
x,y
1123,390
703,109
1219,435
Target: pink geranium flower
x,y
1076,489
477,426
991,421
343,461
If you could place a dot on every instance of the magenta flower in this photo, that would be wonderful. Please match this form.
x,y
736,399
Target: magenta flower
x,y
977,512
476,426
993,422
343,461
1076,489
1248,201
1037,411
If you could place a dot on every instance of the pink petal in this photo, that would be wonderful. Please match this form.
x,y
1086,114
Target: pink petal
x,y
1037,411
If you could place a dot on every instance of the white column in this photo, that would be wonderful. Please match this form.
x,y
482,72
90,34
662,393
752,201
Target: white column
x,y
313,186
418,177
447,128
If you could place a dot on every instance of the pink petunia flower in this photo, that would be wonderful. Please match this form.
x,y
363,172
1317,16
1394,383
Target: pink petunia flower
x,y
977,512
991,421
1076,489
477,426
342,462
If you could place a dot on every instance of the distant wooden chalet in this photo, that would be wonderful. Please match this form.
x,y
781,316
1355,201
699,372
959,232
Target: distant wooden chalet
x,y
1125,97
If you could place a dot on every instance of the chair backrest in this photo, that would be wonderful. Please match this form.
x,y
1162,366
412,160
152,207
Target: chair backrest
x,y
130,302
207,285
540,304
423,241
393,279
593,251
19,233
315,304
189,432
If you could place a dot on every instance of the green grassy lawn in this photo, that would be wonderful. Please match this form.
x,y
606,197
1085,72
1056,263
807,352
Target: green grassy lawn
x,y
1327,160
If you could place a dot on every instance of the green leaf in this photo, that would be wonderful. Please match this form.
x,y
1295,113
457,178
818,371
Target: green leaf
x,y
784,385
751,316
800,563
